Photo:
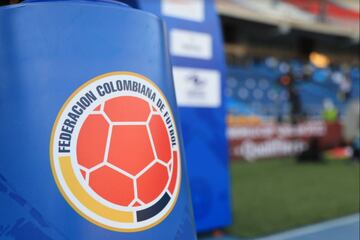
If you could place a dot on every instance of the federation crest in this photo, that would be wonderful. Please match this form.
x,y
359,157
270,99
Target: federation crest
x,y
115,152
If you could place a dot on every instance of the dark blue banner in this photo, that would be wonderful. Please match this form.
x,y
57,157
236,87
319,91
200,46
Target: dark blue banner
x,y
196,47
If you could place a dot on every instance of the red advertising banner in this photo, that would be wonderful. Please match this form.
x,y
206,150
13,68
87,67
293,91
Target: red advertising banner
x,y
265,140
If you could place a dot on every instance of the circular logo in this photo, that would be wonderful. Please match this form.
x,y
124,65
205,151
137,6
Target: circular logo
x,y
115,152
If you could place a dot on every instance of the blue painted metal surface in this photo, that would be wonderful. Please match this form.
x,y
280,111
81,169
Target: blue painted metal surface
x,y
48,50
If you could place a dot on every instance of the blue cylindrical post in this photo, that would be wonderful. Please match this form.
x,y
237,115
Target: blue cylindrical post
x,y
90,145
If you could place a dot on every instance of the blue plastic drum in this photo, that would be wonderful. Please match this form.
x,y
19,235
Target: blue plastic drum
x,y
89,142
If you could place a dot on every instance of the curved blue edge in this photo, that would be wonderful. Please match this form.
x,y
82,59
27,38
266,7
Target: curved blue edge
x,y
78,1
106,3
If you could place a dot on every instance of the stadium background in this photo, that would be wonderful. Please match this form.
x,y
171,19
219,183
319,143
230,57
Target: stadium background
x,y
292,96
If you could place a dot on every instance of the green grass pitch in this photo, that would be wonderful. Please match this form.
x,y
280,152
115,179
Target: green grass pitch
x,y
276,195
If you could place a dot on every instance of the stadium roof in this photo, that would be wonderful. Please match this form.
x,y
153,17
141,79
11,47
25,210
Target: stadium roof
x,y
339,18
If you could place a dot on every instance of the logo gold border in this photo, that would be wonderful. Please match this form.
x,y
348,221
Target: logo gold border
x,y
52,159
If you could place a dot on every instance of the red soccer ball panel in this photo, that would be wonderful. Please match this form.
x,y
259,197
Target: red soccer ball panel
x,y
91,142
98,108
136,204
83,173
160,137
127,109
130,148
152,183
112,186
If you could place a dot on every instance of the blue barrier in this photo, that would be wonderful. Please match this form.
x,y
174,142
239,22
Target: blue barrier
x,y
90,148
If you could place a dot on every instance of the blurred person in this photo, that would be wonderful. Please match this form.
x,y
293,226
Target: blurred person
x,y
356,149
312,153
330,112
342,79
345,88
351,127
288,81
295,103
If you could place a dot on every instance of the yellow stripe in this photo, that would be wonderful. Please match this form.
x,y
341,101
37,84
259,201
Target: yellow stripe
x,y
79,192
